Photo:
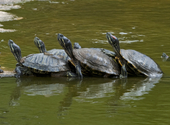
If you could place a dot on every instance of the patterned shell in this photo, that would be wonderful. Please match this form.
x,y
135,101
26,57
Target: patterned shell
x,y
60,53
141,63
96,62
47,63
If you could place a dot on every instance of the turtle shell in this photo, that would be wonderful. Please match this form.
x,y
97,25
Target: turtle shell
x,y
94,62
41,63
60,53
140,64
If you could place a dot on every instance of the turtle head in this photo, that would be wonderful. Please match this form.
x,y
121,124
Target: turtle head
x,y
40,45
66,44
63,41
15,49
164,56
113,41
77,46
10,42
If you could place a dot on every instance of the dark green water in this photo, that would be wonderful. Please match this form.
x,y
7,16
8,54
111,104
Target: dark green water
x,y
140,25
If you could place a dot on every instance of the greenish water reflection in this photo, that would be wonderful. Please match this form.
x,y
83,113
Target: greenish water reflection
x,y
51,101
140,25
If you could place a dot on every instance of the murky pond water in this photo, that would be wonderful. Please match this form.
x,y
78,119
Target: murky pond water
x,y
140,25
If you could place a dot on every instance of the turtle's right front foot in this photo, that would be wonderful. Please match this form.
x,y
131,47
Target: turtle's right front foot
x,y
123,72
78,70
18,72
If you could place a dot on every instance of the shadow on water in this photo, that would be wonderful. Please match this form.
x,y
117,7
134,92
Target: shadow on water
x,y
117,93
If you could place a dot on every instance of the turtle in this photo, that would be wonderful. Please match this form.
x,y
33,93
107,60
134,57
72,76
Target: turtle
x,y
39,64
136,63
165,57
89,62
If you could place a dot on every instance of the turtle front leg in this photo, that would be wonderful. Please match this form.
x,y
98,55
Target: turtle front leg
x,y
22,71
123,72
109,53
78,69
18,72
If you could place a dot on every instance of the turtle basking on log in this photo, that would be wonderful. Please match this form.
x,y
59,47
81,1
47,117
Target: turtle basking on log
x,y
89,61
40,64
136,63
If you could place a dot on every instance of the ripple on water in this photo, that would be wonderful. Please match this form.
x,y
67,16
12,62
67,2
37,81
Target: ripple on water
x,y
6,16
9,7
124,37
13,1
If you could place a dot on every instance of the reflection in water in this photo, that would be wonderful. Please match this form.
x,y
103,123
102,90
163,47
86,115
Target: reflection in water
x,y
5,16
45,90
13,1
9,4
139,89
117,91
9,7
6,30
134,90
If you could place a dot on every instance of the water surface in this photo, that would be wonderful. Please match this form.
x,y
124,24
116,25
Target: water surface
x,y
139,25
